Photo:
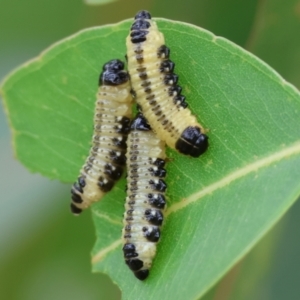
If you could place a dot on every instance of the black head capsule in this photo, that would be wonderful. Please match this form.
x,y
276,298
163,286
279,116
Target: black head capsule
x,y
114,65
143,14
140,123
113,73
192,142
140,24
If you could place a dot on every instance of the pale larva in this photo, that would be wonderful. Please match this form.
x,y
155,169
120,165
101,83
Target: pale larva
x,y
156,89
145,201
106,161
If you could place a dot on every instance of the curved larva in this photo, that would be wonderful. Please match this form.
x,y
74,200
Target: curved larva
x,y
145,201
106,161
156,89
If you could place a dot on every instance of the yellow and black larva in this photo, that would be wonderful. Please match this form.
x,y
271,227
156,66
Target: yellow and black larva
x,y
156,89
145,201
106,161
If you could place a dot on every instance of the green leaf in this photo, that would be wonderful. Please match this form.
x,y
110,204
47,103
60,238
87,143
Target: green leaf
x,y
220,17
221,204
98,2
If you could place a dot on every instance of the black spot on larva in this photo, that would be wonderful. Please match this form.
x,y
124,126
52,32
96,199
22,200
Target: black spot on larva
x,y
124,129
152,233
75,210
163,52
147,90
133,93
113,73
127,228
141,274
129,250
159,162
120,142
138,50
184,105
150,97
152,102
134,264
154,216
158,185
129,212
145,83
192,142
81,181
87,168
143,75
174,90
179,99
138,36
77,187
75,197
157,200
167,66
105,184
114,172
91,159
159,172
170,79
139,58
123,120
140,24
143,14
117,157
140,123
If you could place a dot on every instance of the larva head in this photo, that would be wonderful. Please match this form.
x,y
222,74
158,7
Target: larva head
x,y
192,142
143,14
113,73
114,65
140,123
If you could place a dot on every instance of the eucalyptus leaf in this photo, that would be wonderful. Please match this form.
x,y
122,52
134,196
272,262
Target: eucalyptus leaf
x,y
98,2
220,204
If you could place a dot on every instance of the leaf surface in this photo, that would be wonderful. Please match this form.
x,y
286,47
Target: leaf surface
x,y
220,204
98,2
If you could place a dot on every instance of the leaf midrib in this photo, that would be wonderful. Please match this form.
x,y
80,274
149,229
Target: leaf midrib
x,y
242,172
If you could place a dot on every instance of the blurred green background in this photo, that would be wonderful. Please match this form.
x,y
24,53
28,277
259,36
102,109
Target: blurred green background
x,y
44,250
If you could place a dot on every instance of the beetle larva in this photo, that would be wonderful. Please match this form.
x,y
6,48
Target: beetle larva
x,y
145,201
156,89
106,161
